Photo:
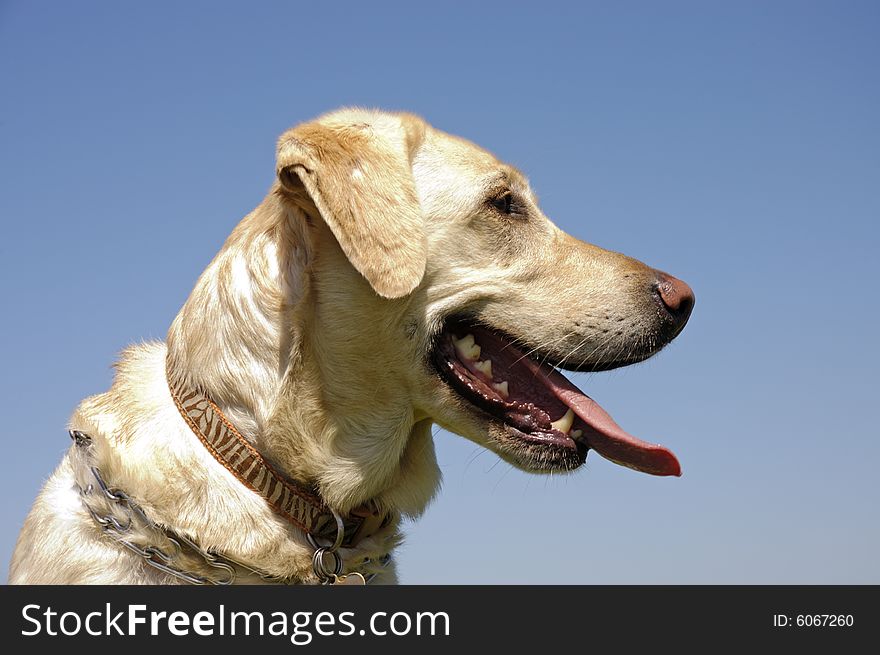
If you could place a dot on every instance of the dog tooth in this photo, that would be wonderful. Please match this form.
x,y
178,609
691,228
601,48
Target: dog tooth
x,y
576,434
484,367
466,347
564,424
465,342
501,387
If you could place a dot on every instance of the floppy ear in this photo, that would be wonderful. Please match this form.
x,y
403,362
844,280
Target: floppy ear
x,y
359,177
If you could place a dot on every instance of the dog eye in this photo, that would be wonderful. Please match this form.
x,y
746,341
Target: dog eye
x,y
504,203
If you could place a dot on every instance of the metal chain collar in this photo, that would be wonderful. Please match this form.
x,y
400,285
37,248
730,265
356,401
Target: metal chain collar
x,y
165,558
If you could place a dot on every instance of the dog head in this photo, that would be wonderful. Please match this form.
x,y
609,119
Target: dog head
x,y
441,292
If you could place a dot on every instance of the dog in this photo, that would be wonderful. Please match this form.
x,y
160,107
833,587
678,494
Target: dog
x,y
394,277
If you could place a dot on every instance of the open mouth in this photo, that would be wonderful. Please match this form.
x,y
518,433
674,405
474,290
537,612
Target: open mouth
x,y
537,405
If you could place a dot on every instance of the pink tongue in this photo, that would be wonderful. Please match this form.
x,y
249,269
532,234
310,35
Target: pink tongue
x,y
604,435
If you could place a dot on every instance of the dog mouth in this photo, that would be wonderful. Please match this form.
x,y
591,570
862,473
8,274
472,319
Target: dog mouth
x,y
537,405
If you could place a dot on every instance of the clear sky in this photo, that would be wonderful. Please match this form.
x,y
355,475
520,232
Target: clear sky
x,y
733,144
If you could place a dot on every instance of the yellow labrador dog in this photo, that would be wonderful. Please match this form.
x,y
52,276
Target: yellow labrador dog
x,y
395,276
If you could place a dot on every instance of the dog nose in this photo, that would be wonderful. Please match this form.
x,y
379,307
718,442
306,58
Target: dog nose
x,y
676,297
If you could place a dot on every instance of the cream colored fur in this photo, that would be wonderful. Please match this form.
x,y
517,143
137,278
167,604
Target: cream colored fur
x,y
310,329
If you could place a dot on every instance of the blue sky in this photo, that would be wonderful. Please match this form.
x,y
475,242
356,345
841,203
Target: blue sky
x,y
735,145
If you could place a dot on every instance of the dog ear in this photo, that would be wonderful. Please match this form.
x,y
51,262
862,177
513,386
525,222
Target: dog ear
x,y
359,177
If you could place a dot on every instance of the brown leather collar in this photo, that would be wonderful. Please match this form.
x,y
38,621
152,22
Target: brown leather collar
x,y
294,501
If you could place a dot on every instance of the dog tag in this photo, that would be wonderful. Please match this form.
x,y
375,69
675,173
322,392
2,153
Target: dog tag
x,y
350,579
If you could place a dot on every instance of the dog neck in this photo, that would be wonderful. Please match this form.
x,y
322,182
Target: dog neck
x,y
234,336
246,335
